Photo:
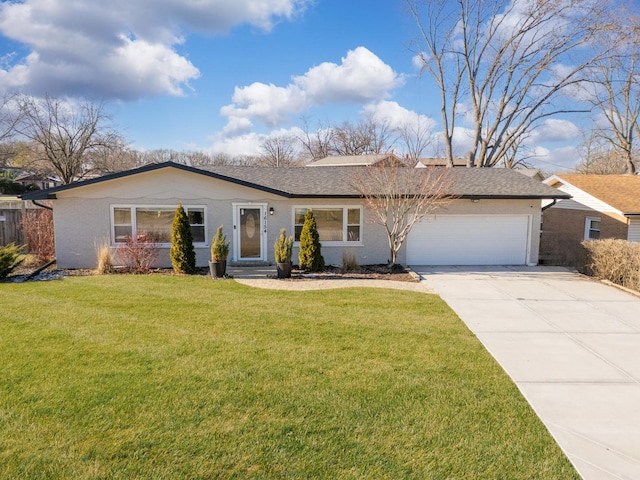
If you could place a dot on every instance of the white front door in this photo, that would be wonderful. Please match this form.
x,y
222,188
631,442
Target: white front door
x,y
249,232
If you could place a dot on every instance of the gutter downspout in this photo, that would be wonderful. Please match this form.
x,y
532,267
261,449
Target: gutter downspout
x,y
35,202
550,205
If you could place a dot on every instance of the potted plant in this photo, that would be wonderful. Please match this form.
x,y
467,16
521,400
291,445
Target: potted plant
x,y
219,253
283,250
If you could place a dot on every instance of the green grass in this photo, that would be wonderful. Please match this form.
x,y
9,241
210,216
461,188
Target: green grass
x,y
166,377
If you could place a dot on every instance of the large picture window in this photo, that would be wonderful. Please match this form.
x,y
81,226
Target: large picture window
x,y
153,223
335,224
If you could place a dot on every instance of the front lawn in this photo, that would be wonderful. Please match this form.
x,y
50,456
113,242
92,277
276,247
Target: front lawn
x,y
165,377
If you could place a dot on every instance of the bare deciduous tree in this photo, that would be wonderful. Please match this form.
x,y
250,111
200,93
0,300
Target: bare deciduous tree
x,y
9,117
103,160
279,151
370,136
64,134
614,88
413,139
398,197
316,144
220,158
37,225
500,64
598,158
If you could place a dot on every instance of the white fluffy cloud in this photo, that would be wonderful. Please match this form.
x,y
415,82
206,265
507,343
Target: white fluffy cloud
x,y
122,48
268,104
248,143
361,77
554,130
554,160
396,116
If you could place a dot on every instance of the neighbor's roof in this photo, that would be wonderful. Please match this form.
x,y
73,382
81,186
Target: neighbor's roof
x,y
336,182
622,192
353,160
441,162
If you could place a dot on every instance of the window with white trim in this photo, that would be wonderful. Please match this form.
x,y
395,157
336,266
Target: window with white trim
x,y
592,228
154,223
335,224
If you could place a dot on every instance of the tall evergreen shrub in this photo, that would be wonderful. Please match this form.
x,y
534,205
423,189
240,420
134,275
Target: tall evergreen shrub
x,y
310,257
183,255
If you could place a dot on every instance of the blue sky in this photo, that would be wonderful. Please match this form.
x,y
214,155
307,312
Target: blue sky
x,y
220,75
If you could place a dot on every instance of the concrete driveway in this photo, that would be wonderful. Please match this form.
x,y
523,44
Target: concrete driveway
x,y
571,345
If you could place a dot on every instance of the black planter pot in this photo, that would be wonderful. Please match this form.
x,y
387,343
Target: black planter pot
x,y
284,270
218,269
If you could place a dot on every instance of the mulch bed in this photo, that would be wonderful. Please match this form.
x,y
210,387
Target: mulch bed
x,y
363,272
373,272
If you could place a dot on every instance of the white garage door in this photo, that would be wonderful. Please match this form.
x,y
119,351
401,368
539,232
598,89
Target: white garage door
x,y
469,240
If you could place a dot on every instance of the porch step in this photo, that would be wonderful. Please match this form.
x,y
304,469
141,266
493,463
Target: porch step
x,y
249,264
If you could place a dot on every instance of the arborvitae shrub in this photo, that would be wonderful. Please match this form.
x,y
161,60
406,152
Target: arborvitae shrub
x,y
183,256
10,258
219,246
310,256
283,247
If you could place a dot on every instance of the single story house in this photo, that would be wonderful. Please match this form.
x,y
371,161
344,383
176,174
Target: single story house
x,y
601,206
494,218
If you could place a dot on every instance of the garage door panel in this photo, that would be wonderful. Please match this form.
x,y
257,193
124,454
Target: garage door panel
x,y
469,240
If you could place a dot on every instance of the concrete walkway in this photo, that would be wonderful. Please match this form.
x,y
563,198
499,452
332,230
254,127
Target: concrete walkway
x,y
571,345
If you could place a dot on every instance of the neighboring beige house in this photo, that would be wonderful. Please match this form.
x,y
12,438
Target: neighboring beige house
x,y
494,219
602,206
386,159
39,181
440,162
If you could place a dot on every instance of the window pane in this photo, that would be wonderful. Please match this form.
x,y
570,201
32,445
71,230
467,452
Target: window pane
x,y
298,230
594,234
354,216
196,216
595,224
122,216
121,233
198,234
353,233
329,224
154,224
299,216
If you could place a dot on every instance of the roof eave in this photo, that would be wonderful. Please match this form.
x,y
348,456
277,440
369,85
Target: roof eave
x,y
50,193
516,197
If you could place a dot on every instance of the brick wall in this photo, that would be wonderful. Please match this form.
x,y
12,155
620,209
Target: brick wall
x,y
563,231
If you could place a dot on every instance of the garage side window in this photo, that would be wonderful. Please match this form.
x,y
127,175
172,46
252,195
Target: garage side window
x,y
336,225
153,223
592,228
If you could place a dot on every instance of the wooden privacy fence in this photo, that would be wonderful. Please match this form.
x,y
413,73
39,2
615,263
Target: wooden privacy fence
x,y
11,212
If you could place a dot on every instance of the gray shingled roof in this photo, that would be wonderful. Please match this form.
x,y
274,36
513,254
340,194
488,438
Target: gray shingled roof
x,y
336,181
